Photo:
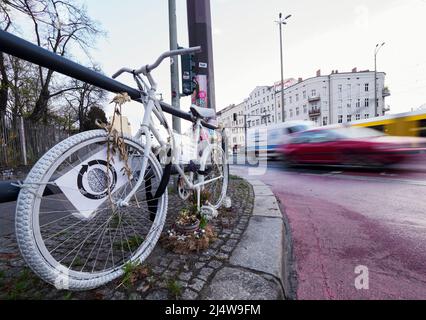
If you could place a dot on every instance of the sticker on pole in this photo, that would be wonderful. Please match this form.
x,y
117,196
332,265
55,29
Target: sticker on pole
x,y
86,186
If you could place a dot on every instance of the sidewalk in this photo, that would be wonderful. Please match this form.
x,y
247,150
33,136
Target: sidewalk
x,y
255,269
245,263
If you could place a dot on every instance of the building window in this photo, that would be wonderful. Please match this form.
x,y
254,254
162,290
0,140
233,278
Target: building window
x,y
325,121
314,93
340,89
340,119
358,104
304,94
367,116
349,118
367,87
349,104
297,97
291,113
297,111
349,88
358,117
367,102
291,99
305,109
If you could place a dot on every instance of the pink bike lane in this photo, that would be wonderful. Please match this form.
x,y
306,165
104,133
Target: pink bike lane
x,y
339,223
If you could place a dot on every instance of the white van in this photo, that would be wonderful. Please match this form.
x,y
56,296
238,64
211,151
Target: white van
x,y
267,140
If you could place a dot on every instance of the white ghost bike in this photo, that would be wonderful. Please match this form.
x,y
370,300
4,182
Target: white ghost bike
x,y
83,214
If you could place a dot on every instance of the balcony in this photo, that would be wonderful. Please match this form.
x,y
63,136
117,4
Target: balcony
x,y
386,93
315,113
314,98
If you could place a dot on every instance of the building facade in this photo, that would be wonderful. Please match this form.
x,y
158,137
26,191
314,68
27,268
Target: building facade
x,y
335,98
234,129
324,100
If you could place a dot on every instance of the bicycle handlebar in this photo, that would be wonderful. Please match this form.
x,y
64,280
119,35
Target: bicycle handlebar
x,y
149,68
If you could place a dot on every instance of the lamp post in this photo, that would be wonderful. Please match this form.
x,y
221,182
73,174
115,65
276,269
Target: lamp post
x,y
376,51
282,22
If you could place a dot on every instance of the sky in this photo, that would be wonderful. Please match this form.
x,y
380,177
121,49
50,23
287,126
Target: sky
x,y
327,35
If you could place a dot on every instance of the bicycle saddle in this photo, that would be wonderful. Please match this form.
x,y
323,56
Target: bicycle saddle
x,y
203,113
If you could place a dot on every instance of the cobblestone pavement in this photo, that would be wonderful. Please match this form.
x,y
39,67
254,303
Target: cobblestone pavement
x,y
165,275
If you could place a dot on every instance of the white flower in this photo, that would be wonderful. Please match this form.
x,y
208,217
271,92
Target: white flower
x,y
181,238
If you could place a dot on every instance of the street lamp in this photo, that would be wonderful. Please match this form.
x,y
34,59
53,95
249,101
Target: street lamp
x,y
376,51
282,22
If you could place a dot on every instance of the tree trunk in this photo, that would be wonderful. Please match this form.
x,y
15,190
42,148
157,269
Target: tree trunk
x,y
41,107
4,86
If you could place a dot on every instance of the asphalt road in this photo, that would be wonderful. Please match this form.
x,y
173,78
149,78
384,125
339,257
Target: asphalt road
x,y
342,218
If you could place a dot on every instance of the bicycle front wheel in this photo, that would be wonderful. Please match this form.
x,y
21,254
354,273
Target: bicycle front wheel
x,y
73,227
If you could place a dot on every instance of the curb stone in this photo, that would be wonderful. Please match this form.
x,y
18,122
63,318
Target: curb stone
x,y
256,266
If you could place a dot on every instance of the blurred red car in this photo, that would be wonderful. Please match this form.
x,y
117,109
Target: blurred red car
x,y
348,146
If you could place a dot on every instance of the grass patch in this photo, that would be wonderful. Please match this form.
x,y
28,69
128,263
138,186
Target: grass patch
x,y
132,244
78,263
175,288
18,288
203,222
133,272
68,296
172,190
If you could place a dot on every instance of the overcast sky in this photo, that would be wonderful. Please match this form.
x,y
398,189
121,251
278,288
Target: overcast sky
x,y
326,35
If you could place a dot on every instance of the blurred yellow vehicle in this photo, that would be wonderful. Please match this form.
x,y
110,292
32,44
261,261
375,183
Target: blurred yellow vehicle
x,y
410,124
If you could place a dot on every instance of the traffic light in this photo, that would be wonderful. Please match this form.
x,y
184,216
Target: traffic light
x,y
188,74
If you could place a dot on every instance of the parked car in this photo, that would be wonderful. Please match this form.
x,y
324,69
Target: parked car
x,y
348,146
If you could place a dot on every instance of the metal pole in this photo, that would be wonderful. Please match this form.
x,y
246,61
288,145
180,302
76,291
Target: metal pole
x,y
174,68
23,142
376,104
245,134
282,74
200,34
375,85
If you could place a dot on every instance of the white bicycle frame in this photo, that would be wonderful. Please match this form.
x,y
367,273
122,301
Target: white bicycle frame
x,y
152,106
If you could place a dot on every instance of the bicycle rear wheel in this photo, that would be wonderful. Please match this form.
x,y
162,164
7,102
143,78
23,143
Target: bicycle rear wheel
x,y
72,226
216,167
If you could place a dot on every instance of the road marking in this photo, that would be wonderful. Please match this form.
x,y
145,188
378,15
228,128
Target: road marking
x,y
377,179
